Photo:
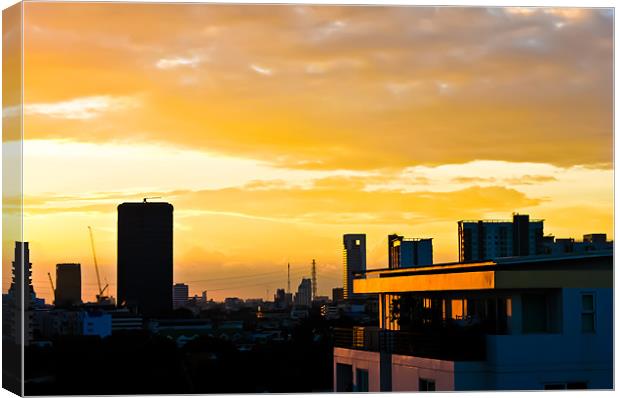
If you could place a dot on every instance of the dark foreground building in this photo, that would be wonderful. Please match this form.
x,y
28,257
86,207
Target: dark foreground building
x,y
145,257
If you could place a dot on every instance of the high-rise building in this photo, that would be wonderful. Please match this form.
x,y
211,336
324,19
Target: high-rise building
x,y
488,239
17,329
354,260
204,296
409,252
144,258
68,291
180,295
304,293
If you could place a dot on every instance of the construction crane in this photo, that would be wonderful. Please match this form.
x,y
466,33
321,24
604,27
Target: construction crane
x,y
100,297
144,200
52,285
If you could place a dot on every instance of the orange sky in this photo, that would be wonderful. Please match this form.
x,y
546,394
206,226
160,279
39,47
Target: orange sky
x,y
273,130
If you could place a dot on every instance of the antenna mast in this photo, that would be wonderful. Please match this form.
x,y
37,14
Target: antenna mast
x,y
313,279
288,286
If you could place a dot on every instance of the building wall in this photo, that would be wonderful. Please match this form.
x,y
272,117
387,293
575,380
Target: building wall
x,y
482,240
144,257
68,285
359,360
407,370
529,361
354,260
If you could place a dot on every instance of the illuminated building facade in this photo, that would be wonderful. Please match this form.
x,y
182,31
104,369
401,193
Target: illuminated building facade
x,y
409,252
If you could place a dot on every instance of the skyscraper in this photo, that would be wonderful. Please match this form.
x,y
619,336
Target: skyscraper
x,y
488,239
144,261
180,295
353,258
68,291
304,293
409,252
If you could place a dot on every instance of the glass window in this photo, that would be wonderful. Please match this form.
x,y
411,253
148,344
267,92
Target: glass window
x,y
587,302
362,379
426,384
588,320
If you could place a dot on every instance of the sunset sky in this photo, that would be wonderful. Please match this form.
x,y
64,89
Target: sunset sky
x,y
273,130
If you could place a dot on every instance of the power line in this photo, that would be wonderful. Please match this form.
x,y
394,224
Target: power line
x,y
240,276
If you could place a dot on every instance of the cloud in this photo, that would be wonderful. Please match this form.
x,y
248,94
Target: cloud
x,y
261,70
176,62
530,179
358,88
468,180
329,201
81,108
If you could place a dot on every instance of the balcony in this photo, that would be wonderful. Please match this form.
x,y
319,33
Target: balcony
x,y
439,345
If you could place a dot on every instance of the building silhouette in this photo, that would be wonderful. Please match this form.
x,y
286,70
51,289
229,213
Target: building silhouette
x,y
337,295
68,292
180,295
488,239
354,260
20,299
591,242
409,252
144,258
304,293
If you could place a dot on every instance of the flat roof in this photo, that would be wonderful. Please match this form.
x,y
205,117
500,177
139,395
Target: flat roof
x,y
498,221
592,269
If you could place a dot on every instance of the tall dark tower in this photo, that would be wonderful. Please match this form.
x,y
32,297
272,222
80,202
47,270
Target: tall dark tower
x,y
353,259
68,285
144,258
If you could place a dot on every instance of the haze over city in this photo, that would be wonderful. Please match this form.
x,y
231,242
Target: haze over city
x,y
275,130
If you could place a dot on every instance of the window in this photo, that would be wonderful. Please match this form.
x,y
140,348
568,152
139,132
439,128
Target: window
x,y
426,384
344,377
459,309
362,380
587,313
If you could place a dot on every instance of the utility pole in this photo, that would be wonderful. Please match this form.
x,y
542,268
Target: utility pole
x,y
313,279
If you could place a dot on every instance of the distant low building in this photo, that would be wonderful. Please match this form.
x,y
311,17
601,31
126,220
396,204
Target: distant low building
x,y
60,322
95,324
320,300
591,242
124,320
337,295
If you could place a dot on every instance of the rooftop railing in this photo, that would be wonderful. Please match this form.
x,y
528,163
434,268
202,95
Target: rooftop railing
x,y
445,346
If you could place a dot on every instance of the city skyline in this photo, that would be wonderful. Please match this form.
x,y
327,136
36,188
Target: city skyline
x,y
274,130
